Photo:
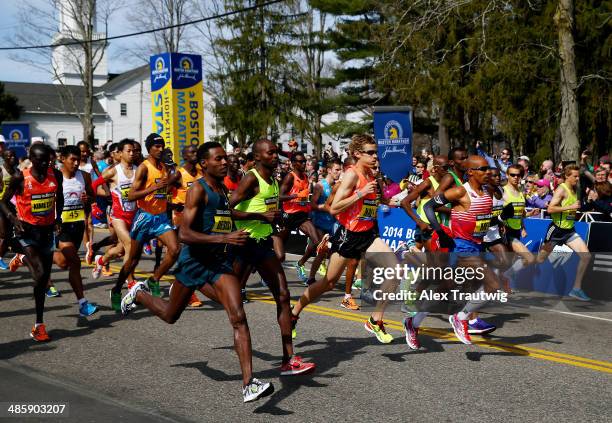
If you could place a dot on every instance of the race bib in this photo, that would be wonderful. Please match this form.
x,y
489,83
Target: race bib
x,y
223,222
483,221
125,203
271,204
42,204
73,214
519,209
497,210
368,210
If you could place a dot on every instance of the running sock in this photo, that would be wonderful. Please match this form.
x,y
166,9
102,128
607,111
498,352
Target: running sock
x,y
471,306
82,301
418,318
347,296
37,324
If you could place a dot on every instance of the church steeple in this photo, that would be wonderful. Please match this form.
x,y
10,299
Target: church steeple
x,y
67,60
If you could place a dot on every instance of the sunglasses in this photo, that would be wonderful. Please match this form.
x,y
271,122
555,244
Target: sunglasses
x,y
481,168
514,175
370,152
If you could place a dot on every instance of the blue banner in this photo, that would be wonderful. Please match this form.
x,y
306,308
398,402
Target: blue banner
x,y
393,132
17,137
394,226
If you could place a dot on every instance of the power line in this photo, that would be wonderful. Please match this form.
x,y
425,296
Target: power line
x,y
149,31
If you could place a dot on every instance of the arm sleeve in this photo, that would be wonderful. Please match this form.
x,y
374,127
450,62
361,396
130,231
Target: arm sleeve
x,y
99,181
430,210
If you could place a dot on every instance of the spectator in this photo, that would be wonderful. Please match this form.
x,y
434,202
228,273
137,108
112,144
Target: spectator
x,y
420,170
524,161
541,198
501,163
599,199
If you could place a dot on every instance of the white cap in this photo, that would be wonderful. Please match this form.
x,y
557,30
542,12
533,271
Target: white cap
x,y
524,158
36,140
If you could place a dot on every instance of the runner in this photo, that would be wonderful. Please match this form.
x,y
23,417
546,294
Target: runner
x,y
151,220
77,194
424,192
234,174
38,203
189,173
120,177
257,198
470,218
8,169
295,195
562,209
354,205
206,260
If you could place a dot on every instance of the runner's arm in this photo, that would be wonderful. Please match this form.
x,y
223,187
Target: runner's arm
x,y
138,189
88,188
246,190
316,194
555,203
14,187
343,198
450,196
59,197
285,188
414,194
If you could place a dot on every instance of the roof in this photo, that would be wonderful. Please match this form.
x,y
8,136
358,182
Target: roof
x,y
46,98
117,81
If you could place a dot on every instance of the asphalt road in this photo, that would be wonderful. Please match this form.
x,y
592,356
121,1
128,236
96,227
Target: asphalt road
x,y
539,366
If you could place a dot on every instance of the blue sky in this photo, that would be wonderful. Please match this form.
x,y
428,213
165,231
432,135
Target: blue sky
x,y
11,70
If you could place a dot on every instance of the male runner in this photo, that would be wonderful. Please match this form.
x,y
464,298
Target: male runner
x,y
354,206
232,179
151,220
425,191
257,197
295,193
470,219
120,177
78,194
8,169
562,209
38,191
207,232
189,173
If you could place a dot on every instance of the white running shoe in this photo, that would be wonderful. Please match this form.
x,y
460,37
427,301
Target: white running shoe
x,y
128,303
461,328
98,267
256,389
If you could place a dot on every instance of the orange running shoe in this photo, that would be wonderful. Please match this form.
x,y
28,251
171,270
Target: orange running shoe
x,y
16,262
131,283
106,271
349,303
39,334
194,301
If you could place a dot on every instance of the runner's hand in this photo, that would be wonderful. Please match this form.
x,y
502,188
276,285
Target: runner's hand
x,y
369,188
445,240
575,206
272,216
163,182
237,238
424,227
523,233
17,225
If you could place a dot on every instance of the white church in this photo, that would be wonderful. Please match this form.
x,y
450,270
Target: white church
x,y
122,102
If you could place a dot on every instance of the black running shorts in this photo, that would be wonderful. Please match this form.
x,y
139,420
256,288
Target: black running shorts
x,y
351,244
560,236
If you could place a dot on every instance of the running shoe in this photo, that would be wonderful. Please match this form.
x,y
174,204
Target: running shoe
x,y
322,268
115,299
100,225
579,294
480,327
98,266
53,292
461,328
349,303
412,334
378,329
131,283
128,303
256,389
244,297
194,301
88,253
153,286
39,333
323,246
295,366
301,272
147,249
16,262
3,265
87,309
357,284
106,271
263,283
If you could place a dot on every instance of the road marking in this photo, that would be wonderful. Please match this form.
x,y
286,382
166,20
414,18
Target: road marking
x,y
602,366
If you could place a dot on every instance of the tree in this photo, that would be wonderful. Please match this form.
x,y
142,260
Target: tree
x,y
39,25
9,109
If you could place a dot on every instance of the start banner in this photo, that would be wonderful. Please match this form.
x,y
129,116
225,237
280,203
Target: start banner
x,y
177,100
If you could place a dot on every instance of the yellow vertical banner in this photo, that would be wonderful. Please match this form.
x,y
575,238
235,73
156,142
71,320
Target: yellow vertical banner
x,y
177,100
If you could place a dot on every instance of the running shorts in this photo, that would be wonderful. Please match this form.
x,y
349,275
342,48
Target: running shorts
x,y
193,270
560,236
293,221
148,226
351,244
71,232
255,251
37,237
512,234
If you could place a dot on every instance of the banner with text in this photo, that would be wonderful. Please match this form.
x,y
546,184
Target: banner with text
x,y
177,100
393,132
17,136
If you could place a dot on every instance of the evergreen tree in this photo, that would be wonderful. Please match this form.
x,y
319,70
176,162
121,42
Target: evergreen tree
x,y
9,109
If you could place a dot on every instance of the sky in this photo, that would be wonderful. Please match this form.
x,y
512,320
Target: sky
x,y
16,71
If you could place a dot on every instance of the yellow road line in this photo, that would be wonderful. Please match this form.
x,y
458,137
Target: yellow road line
x,y
602,366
